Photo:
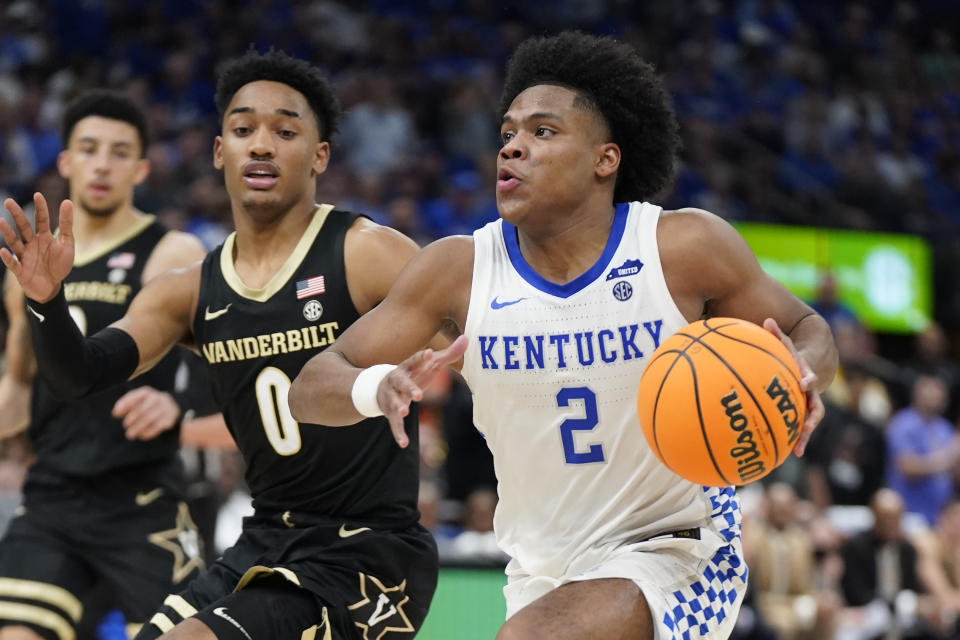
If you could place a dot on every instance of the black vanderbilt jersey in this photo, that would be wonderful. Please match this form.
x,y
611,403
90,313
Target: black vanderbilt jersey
x,y
255,342
82,438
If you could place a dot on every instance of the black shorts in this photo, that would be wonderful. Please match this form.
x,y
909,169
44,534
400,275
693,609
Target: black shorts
x,y
310,580
128,533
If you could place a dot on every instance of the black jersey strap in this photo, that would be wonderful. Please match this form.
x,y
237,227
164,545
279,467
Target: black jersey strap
x,y
74,366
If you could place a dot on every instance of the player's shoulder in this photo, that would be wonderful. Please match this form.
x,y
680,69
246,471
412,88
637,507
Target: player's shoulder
x,y
690,220
692,229
175,250
364,233
452,251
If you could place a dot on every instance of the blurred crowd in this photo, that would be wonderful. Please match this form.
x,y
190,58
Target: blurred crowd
x,y
843,114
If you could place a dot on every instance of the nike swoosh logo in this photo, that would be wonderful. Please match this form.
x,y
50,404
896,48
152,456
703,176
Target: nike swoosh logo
x,y
39,316
496,304
346,533
146,497
210,315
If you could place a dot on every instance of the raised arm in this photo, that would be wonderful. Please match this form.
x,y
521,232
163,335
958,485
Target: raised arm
x,y
711,269
18,376
430,294
158,317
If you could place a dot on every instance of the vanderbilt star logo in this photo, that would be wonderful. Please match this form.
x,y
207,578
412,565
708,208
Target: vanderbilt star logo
x,y
182,541
210,315
383,610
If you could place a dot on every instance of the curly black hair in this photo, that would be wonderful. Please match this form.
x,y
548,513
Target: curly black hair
x,y
612,80
106,104
277,66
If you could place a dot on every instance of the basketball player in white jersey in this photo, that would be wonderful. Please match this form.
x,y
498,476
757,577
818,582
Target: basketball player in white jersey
x,y
561,303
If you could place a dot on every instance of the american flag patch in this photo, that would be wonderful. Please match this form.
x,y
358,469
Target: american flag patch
x,y
123,260
310,287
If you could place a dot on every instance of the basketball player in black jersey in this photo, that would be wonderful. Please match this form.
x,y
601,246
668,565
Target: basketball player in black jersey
x,y
334,549
104,502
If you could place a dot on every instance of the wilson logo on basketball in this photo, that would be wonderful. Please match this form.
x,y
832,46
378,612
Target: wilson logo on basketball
x,y
788,410
745,452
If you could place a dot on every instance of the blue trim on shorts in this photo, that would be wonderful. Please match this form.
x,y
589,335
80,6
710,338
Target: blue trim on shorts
x,y
705,604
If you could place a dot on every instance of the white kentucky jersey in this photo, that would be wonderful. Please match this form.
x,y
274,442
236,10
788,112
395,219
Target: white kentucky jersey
x,y
554,371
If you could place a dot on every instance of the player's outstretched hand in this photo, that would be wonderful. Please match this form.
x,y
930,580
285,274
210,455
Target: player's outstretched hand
x,y
146,412
808,382
39,260
406,383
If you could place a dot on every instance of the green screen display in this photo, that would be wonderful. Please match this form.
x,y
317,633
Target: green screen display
x,y
884,278
468,605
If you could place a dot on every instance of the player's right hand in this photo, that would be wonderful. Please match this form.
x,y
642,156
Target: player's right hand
x,y
406,383
39,260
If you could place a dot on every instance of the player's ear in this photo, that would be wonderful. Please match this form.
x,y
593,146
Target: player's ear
x,y
321,158
608,159
143,170
218,153
63,164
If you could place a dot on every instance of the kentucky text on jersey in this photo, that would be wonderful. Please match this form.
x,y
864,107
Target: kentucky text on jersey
x,y
586,347
97,292
314,336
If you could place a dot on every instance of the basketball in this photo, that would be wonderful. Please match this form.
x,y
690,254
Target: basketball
x,y
720,402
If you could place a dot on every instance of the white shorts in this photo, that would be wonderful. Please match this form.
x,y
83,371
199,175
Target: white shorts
x,y
694,588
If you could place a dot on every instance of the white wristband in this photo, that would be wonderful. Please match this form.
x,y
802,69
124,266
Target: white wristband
x,y
364,393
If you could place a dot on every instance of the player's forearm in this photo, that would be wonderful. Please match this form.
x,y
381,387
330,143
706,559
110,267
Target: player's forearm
x,y
15,404
321,393
814,340
74,366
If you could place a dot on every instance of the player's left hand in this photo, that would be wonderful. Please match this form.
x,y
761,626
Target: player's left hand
x,y
405,384
146,412
808,382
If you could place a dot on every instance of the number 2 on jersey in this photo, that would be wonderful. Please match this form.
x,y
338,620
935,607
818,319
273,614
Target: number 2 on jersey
x,y
282,430
590,419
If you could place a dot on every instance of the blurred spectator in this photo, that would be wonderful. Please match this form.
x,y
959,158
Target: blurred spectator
x,y
236,502
463,207
377,134
828,304
880,578
780,556
845,457
939,567
932,357
477,540
469,464
923,450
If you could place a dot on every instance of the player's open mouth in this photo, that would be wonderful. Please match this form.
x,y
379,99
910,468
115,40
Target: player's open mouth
x,y
260,175
506,180
99,188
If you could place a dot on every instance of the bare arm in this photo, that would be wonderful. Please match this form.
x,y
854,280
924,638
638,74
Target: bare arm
x,y
147,412
711,271
207,432
921,465
15,385
931,573
430,293
158,318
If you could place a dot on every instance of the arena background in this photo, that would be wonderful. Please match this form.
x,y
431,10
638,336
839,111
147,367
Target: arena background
x,y
818,128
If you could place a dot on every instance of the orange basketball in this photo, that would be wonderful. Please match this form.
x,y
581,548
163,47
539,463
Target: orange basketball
x,y
720,402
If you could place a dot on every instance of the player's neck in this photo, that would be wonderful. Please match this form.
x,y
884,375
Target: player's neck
x,y
261,248
91,231
567,245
